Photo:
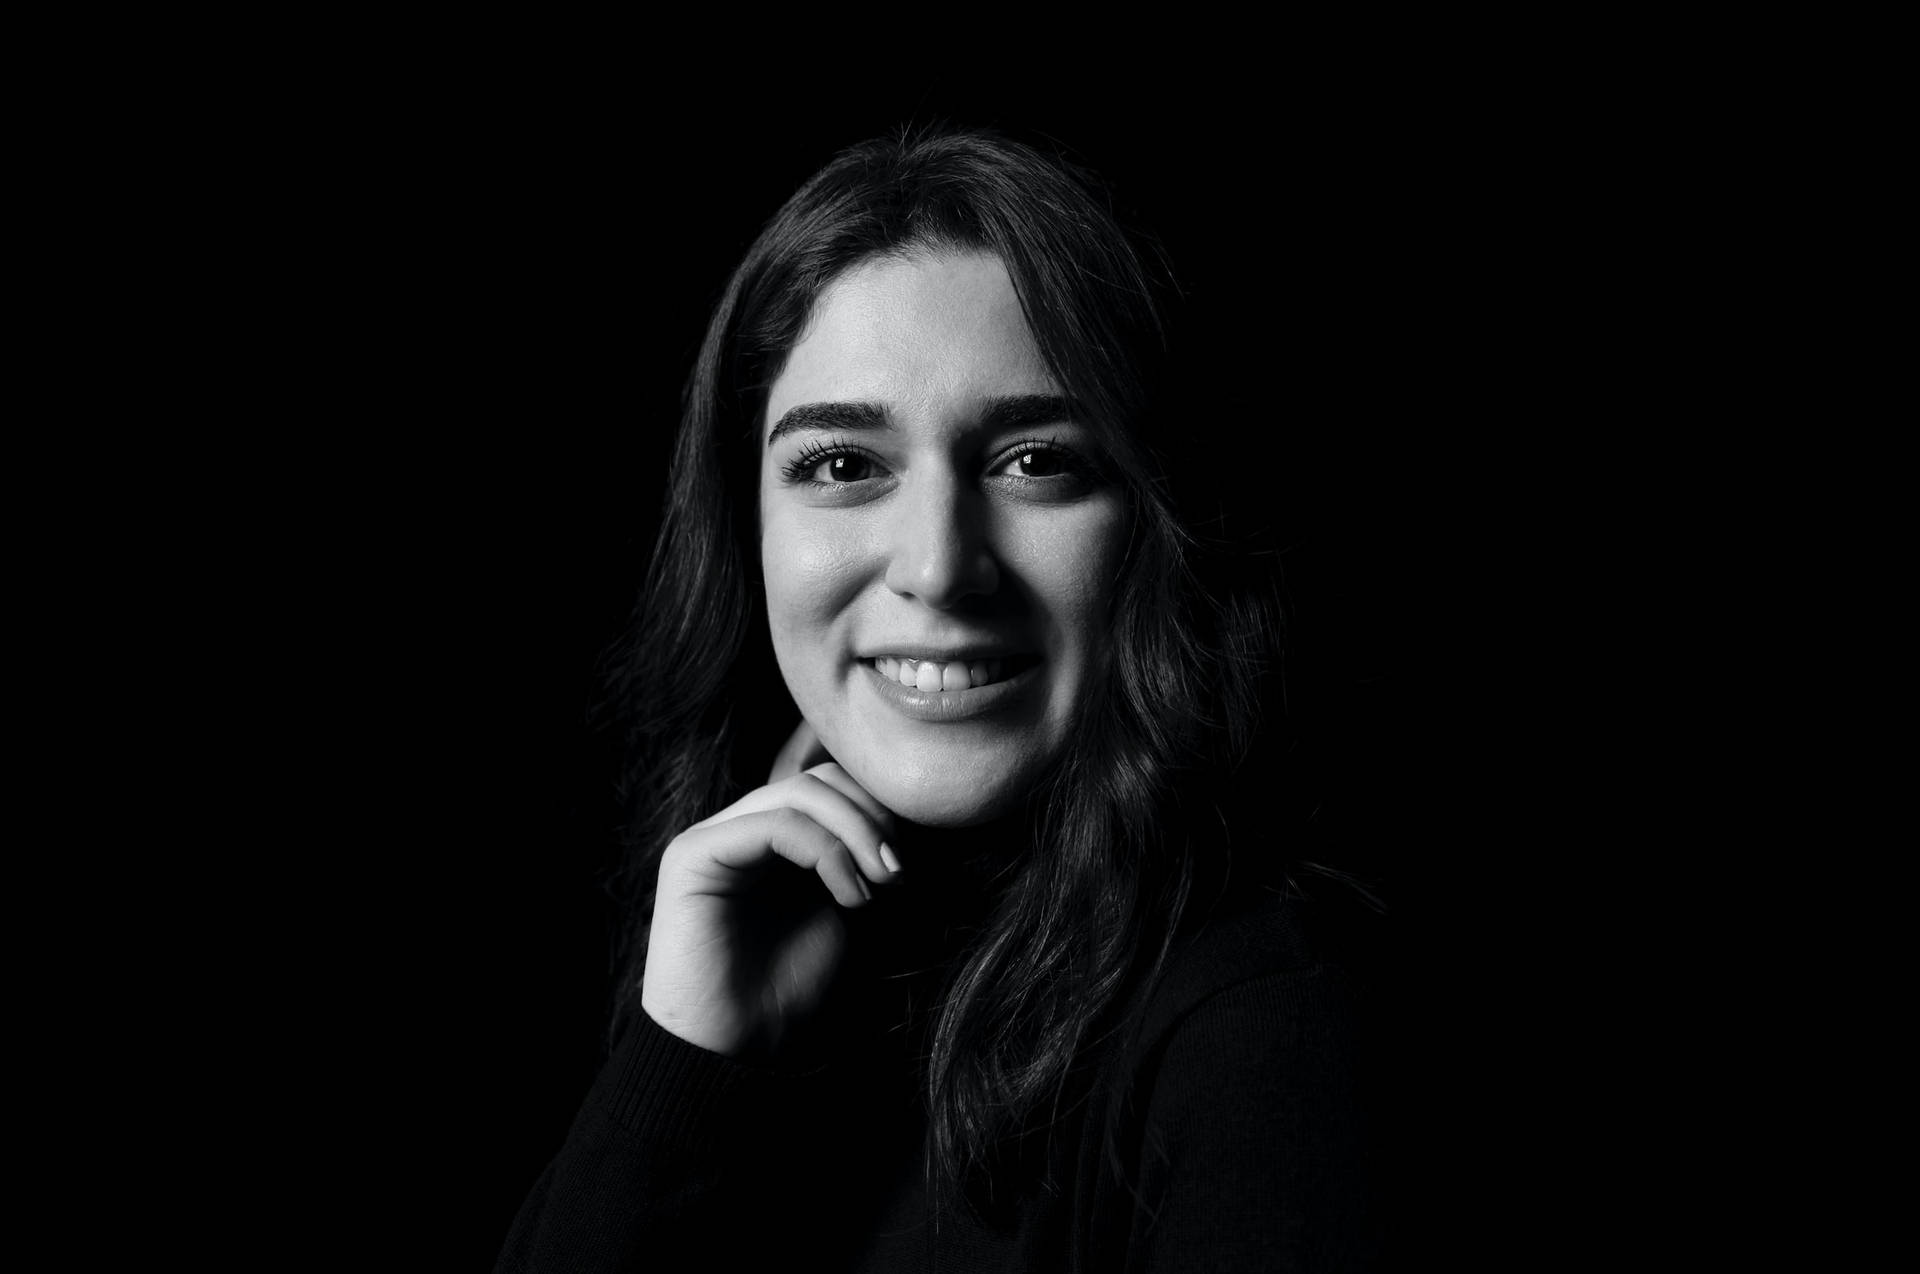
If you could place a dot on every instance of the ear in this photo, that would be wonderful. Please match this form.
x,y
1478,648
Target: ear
x,y
801,751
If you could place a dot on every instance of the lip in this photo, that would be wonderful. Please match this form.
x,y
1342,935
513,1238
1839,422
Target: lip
x,y
941,654
949,705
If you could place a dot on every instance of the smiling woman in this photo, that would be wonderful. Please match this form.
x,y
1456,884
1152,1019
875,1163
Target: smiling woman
x,y
937,954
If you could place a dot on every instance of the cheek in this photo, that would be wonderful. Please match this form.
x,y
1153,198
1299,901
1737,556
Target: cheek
x,y
811,569
1072,565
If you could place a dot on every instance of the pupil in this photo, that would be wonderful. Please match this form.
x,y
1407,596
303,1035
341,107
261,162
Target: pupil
x,y
845,468
1036,464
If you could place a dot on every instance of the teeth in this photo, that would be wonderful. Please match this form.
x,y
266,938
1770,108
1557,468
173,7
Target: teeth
x,y
929,675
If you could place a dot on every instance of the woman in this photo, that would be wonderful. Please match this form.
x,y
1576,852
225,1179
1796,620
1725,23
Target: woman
x,y
936,958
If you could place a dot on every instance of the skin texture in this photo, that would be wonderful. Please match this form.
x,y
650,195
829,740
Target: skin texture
x,y
935,528
939,541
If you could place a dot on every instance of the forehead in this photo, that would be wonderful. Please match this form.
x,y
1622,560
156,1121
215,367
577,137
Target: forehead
x,y
923,334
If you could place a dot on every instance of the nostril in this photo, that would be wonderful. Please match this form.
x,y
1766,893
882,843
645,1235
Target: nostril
x,y
940,550
942,580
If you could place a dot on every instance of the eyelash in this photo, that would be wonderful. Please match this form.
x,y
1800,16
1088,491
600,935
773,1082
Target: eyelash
x,y
814,455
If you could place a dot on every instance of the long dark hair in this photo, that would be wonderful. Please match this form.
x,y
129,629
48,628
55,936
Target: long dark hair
x,y
1084,922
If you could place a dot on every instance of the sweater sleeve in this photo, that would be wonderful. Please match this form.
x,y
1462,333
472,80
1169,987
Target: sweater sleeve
x,y
1255,1151
660,1146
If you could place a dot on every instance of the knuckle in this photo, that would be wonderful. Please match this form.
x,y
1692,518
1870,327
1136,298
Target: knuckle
x,y
682,852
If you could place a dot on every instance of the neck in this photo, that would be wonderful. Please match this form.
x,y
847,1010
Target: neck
x,y
950,880
982,854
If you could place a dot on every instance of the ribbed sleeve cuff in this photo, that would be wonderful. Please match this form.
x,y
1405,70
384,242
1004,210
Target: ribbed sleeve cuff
x,y
674,1095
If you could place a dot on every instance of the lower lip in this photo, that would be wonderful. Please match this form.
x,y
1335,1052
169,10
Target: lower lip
x,y
951,705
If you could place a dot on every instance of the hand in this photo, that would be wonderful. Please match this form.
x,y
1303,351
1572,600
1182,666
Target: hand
x,y
735,957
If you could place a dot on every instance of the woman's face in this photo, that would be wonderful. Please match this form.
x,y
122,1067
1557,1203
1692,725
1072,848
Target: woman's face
x,y
938,542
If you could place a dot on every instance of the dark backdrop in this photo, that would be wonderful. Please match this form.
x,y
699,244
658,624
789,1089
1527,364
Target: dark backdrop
x,y
499,293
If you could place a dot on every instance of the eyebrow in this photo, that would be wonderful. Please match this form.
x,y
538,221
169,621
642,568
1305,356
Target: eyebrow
x,y
829,416
1026,411
1018,412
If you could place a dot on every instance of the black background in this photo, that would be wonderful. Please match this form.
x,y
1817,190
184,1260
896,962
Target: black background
x,y
473,307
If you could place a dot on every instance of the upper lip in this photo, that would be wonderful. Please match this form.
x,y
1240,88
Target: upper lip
x,y
959,652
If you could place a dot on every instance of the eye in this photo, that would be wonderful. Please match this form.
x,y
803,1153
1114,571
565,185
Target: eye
x,y
830,466
843,468
1038,459
1039,464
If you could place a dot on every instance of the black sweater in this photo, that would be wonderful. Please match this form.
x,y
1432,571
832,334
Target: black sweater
x,y
1227,1135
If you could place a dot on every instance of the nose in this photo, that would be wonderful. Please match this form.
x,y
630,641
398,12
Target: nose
x,y
941,552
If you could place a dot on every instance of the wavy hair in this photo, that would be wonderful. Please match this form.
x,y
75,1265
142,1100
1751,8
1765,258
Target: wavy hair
x,y
1084,922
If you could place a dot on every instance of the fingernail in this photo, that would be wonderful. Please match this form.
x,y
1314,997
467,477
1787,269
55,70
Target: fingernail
x,y
886,857
861,881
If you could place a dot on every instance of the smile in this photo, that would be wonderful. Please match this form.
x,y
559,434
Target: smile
x,y
1002,683
947,676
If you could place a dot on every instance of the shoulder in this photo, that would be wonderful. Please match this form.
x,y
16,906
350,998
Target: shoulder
x,y
1258,961
1254,1044
1253,1134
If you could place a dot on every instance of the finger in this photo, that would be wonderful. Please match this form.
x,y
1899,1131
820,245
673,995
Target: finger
x,y
802,749
721,853
827,805
836,777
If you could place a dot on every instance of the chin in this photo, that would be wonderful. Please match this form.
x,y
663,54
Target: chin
x,y
940,796
940,805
